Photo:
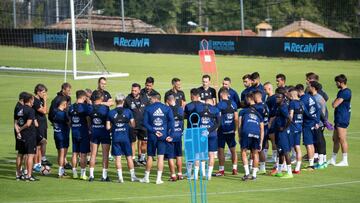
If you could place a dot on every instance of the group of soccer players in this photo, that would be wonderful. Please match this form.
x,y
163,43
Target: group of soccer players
x,y
140,120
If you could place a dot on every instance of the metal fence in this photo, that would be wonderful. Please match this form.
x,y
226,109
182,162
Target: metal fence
x,y
289,18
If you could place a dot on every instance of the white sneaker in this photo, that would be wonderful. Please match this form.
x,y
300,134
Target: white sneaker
x,y
144,180
134,179
342,163
121,180
332,162
158,182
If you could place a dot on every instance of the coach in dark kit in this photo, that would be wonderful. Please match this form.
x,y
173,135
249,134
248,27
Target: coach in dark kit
x,y
207,92
101,88
137,103
177,93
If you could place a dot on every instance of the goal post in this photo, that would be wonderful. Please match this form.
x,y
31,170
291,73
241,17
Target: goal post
x,y
104,72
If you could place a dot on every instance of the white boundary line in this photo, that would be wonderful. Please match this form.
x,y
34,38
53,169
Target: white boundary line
x,y
188,194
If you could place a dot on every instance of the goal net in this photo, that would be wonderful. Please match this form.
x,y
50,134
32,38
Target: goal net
x,y
51,36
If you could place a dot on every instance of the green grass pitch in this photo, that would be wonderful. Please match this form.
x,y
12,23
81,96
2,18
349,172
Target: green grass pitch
x,y
329,185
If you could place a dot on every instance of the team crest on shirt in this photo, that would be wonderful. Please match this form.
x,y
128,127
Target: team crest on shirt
x,y
21,121
97,121
133,105
158,122
205,120
229,116
252,116
75,119
120,125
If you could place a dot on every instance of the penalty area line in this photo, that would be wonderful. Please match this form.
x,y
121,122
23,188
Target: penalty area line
x,y
209,194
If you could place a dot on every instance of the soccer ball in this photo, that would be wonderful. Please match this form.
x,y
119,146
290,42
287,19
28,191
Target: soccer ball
x,y
45,170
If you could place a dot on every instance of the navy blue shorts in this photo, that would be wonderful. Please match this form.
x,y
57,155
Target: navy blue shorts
x,y
341,125
178,149
156,147
213,143
229,139
283,141
121,148
61,140
170,150
308,136
295,138
249,142
81,145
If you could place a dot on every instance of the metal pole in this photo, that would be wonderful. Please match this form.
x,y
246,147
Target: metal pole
x,y
200,14
242,17
73,37
14,13
57,10
122,16
66,56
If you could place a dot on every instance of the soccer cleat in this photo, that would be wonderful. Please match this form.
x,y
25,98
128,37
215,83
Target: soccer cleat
x,y
75,176
31,179
46,162
332,162
219,173
67,166
142,163
253,178
121,180
91,179
245,177
134,179
309,168
180,177
173,179
342,163
21,177
136,164
107,179
279,175
319,166
296,172
158,182
234,172
287,176
262,172
325,164
273,172
83,177
144,180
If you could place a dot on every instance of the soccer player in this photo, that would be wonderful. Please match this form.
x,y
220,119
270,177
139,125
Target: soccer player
x,y
78,113
251,135
310,123
263,110
99,135
296,114
247,82
177,93
233,95
61,134
64,92
26,135
137,103
193,107
18,142
226,131
207,92
314,77
320,146
102,82
281,80
159,122
40,108
210,119
176,143
342,114
271,103
281,127
119,121
256,84
149,88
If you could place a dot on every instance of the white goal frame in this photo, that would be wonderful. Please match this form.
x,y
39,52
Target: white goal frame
x,y
74,62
